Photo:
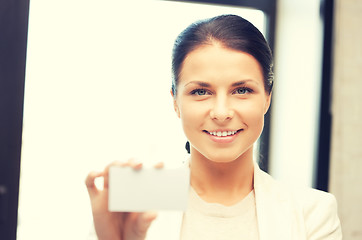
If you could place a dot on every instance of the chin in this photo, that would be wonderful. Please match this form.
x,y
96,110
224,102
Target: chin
x,y
222,160
225,155
220,156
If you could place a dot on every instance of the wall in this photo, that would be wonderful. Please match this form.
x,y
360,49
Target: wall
x,y
295,102
346,152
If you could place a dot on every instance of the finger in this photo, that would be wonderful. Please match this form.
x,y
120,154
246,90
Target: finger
x,y
106,171
134,164
149,216
89,182
137,166
144,221
159,165
131,161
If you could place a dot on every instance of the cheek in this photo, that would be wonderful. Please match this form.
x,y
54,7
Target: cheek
x,y
252,114
192,114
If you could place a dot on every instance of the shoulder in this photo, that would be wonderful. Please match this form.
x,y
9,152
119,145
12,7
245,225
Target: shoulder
x,y
315,209
319,210
305,197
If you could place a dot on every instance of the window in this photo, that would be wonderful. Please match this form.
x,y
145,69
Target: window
x,y
97,90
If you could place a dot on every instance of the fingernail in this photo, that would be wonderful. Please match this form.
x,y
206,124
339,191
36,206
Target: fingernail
x,y
159,165
137,166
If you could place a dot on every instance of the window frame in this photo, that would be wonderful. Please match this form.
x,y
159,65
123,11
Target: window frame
x,y
13,42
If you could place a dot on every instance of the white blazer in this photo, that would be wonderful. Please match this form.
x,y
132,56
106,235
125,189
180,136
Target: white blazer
x,y
282,213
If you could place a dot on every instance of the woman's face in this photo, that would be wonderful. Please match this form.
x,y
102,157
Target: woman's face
x,y
221,102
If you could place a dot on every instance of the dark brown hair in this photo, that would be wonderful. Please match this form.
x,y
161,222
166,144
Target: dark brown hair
x,y
233,32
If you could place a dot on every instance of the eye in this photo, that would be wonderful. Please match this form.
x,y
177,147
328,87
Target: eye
x,y
243,90
199,92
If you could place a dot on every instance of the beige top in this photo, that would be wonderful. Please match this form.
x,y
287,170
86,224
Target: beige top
x,y
213,221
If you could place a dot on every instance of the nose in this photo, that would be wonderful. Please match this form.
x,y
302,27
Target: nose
x,y
221,110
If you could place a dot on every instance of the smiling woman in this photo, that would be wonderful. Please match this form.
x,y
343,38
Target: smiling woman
x,y
221,91
228,96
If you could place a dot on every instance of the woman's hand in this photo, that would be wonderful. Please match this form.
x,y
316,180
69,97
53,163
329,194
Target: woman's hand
x,y
116,225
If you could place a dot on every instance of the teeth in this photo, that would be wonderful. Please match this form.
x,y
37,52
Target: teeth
x,y
223,134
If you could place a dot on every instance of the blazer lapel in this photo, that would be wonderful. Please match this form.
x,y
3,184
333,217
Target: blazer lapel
x,y
272,208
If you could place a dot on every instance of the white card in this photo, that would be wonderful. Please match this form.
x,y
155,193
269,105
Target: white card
x,y
148,189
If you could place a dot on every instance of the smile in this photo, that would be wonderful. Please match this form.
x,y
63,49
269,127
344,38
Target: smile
x,y
223,133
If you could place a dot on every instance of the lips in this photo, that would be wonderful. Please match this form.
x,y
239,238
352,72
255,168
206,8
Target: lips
x,y
223,133
223,136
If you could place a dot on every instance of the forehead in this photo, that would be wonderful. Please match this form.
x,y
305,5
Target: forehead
x,y
215,62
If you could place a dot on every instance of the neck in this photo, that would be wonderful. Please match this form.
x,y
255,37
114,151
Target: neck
x,y
226,182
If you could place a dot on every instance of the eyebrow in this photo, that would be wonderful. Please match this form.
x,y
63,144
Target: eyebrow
x,y
204,84
243,82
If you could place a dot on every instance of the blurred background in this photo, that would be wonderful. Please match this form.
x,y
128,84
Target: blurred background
x,y
84,83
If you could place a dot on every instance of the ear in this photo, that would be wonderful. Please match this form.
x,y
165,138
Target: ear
x,y
175,105
267,103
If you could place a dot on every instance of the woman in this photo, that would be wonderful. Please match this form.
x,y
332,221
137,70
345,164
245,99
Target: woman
x,y
221,91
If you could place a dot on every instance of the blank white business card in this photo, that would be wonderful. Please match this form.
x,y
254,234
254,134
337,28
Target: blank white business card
x,y
148,189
